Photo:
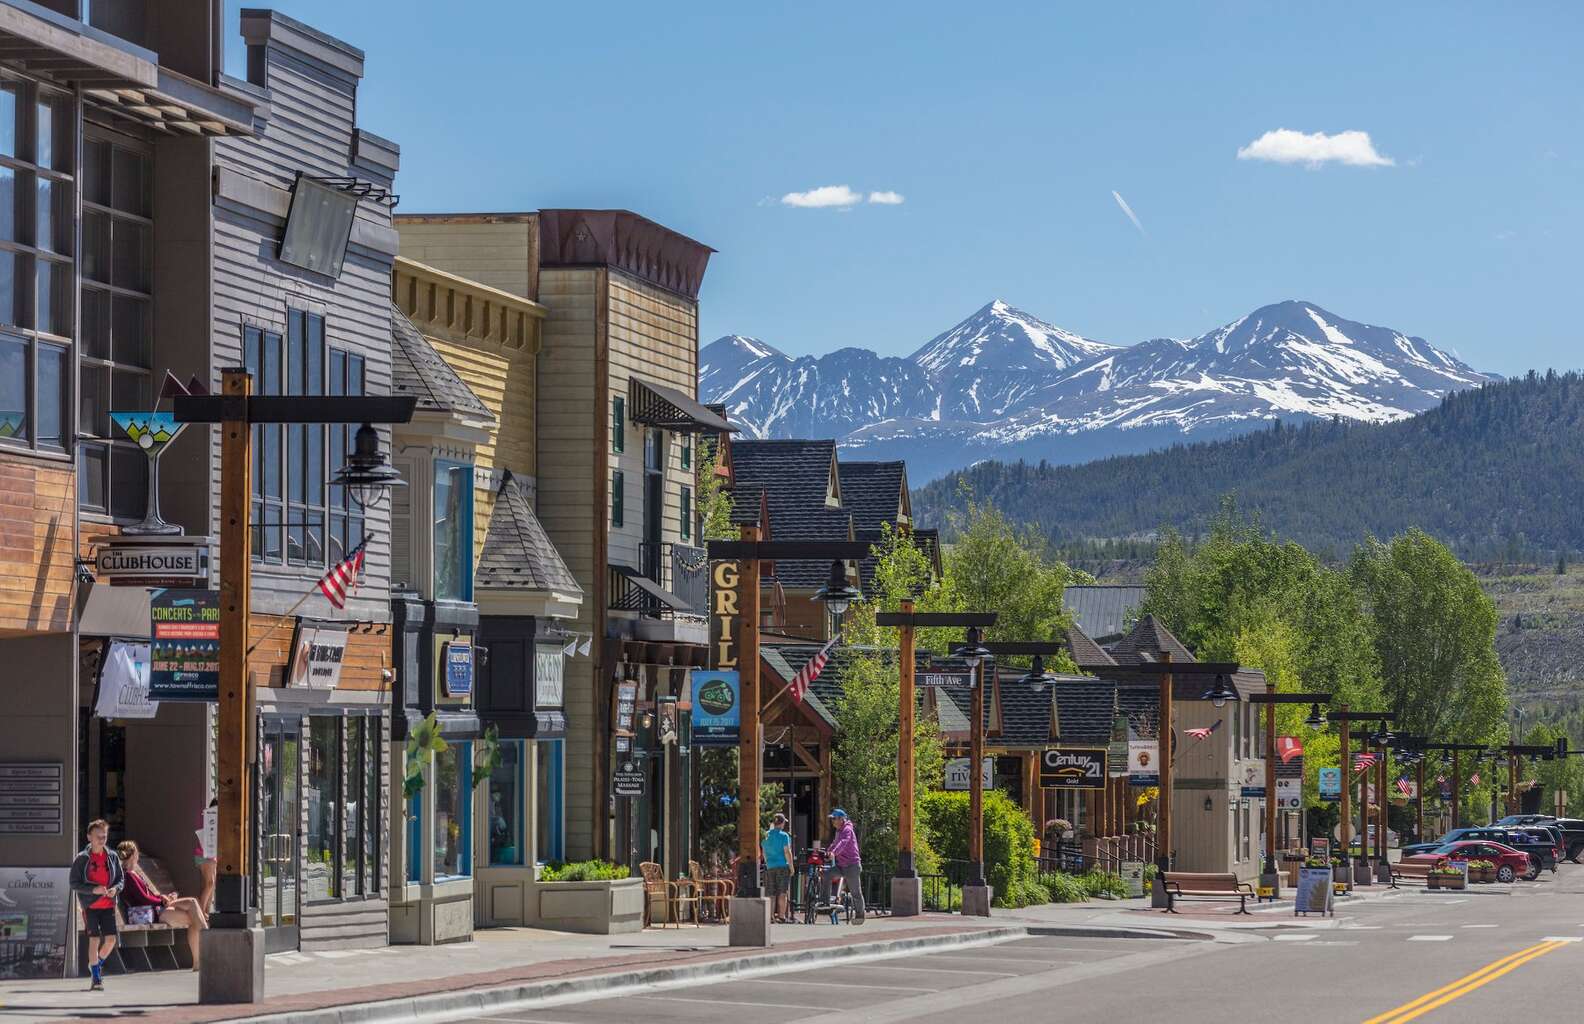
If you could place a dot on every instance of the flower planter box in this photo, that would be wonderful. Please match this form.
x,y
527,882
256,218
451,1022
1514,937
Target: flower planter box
x,y
1434,881
593,908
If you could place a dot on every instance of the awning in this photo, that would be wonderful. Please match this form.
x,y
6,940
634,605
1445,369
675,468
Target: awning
x,y
656,405
114,611
643,592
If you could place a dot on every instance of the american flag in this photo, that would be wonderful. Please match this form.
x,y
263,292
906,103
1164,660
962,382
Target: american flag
x,y
1440,780
1405,787
1364,760
342,580
1288,747
810,672
1474,779
1203,732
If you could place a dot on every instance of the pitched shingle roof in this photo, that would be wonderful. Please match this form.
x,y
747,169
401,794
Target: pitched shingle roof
x,y
873,492
1147,641
795,475
1102,609
418,370
517,553
745,506
1088,654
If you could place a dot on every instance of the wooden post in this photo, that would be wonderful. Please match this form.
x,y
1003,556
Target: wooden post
x,y
1419,805
976,745
1345,760
1457,789
748,750
235,707
905,770
1385,801
1512,782
1163,804
1270,783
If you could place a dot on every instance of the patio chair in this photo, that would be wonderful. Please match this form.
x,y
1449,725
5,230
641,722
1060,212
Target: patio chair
x,y
670,894
713,893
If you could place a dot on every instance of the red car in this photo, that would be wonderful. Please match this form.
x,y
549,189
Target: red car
x,y
1510,863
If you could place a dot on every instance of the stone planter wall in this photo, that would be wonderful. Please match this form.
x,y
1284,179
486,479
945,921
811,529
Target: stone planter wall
x,y
594,908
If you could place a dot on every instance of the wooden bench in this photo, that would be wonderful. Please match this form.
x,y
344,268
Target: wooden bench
x,y
1411,871
1195,885
138,946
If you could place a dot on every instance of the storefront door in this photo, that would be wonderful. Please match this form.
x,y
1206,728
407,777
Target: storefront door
x,y
278,832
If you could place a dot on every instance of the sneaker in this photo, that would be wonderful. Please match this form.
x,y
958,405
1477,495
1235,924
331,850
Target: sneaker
x,y
97,985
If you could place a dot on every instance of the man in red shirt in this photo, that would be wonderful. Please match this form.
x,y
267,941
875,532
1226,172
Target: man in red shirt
x,y
96,878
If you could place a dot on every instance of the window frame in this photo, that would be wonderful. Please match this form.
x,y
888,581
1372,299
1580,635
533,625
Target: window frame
x,y
686,508
618,423
520,746
618,514
553,791
465,513
464,756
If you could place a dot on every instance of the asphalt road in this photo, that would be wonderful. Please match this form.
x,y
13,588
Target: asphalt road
x,y
1409,955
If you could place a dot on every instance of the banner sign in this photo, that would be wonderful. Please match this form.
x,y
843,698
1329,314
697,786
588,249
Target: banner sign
x,y
958,779
317,651
1291,769
35,911
184,640
1144,762
946,675
724,580
1073,769
1315,892
549,676
1289,794
124,682
1330,784
717,708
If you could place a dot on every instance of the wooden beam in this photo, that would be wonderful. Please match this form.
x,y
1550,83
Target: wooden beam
x,y
235,708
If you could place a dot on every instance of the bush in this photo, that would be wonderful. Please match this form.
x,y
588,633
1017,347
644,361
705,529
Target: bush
x,y
1010,865
583,871
1063,888
1099,883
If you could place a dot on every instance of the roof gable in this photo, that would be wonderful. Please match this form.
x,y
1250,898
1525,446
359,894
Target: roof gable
x,y
418,370
518,555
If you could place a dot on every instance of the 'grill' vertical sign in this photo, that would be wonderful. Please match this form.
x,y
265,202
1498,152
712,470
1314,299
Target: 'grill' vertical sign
x,y
724,580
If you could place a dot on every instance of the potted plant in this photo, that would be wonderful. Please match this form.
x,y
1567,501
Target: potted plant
x,y
592,897
1340,871
1444,878
1482,871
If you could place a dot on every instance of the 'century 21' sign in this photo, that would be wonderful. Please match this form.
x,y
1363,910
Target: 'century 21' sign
x,y
726,579
1067,768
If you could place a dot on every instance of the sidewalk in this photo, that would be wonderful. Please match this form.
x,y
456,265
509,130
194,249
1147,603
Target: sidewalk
x,y
297,984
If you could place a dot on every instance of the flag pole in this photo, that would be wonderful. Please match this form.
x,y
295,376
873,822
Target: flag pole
x,y
300,601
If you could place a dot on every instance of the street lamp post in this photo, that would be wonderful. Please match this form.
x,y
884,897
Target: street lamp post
x,y
976,894
1362,870
233,948
1166,669
750,911
907,897
1270,878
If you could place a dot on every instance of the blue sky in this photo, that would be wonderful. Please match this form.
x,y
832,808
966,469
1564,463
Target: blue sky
x,y
1005,129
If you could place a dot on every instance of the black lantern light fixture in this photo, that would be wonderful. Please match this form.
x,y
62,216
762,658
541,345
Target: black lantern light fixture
x,y
1037,678
837,595
367,476
1220,692
1381,736
1315,720
972,649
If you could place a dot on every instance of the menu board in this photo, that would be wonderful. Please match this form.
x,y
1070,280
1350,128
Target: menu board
x,y
1315,894
34,912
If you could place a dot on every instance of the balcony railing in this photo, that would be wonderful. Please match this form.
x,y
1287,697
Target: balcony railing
x,y
679,571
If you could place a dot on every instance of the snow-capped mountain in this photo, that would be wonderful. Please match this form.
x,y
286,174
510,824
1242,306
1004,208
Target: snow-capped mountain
x,y
1004,384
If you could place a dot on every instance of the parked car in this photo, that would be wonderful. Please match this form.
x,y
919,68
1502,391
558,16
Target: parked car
x,y
1522,819
1510,863
1572,837
1536,843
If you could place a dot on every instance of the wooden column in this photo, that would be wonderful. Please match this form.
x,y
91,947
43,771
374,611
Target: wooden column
x,y
976,745
1270,782
1512,783
905,771
1419,804
1345,759
1384,802
235,708
748,745
1163,827
1457,788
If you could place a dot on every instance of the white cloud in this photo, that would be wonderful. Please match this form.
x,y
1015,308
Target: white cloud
x,y
1285,146
887,198
823,197
1128,210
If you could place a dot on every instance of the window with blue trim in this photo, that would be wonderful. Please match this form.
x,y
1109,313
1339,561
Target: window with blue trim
x,y
414,838
453,531
453,819
506,806
550,756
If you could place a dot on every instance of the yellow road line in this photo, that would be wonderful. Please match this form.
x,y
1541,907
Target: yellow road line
x,y
1464,985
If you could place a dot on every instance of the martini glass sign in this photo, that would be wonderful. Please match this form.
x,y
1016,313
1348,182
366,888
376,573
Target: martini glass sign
x,y
150,431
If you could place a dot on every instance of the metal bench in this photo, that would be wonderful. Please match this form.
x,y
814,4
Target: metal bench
x,y
1197,885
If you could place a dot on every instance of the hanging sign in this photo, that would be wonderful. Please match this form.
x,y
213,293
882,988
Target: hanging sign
x,y
725,578
624,707
1289,794
458,665
959,779
628,780
946,675
1062,768
717,708
1330,784
35,911
184,645
1143,762
124,682
317,650
1117,753
549,676
152,565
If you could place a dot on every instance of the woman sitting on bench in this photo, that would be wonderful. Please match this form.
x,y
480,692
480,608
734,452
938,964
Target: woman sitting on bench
x,y
147,905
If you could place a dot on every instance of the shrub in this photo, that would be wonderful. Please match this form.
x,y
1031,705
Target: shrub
x,y
1010,864
583,871
1063,888
1099,883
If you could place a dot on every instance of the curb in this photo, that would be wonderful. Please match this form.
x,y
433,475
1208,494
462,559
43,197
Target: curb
x,y
1118,932
522,995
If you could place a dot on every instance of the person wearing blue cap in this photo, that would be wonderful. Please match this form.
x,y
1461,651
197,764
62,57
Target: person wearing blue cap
x,y
849,864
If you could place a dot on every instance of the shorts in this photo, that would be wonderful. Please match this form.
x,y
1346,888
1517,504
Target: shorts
x,y
778,881
142,915
100,921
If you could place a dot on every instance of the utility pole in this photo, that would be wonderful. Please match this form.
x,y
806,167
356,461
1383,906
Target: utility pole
x,y
907,897
748,734
1346,823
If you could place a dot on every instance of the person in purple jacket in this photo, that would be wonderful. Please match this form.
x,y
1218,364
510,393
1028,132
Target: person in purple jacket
x,y
849,864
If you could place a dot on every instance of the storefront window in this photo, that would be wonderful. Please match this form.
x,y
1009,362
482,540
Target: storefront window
x,y
505,806
414,838
550,819
453,787
323,793
354,823
372,804
453,532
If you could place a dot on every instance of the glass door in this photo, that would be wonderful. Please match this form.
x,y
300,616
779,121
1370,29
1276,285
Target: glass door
x,y
279,819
